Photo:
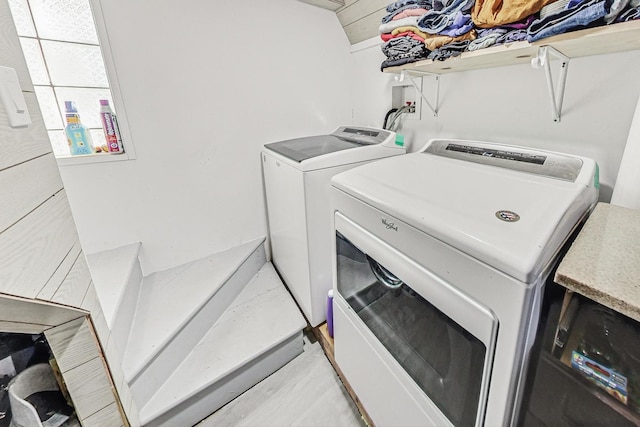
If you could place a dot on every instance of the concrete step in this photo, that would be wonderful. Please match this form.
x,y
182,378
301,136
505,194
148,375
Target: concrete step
x,y
177,307
260,332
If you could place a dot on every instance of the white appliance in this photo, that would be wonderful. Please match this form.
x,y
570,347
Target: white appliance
x,y
296,176
440,258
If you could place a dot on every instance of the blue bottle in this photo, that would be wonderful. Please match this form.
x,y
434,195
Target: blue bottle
x,y
78,135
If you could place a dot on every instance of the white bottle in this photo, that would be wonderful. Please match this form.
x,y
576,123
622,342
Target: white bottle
x,y
110,127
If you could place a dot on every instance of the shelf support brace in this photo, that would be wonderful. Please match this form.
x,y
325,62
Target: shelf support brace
x,y
406,74
556,94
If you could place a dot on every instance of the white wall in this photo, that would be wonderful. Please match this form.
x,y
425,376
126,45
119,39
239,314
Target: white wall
x,y
510,105
206,84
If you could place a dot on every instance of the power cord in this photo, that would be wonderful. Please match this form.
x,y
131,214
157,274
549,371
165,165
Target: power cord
x,y
386,118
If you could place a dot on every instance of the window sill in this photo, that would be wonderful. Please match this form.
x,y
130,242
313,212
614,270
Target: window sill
x,y
93,158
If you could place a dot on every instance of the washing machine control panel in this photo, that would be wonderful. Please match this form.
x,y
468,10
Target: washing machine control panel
x,y
364,136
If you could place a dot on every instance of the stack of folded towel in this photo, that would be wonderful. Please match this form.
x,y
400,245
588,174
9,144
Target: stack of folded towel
x,y
415,30
563,16
403,40
449,28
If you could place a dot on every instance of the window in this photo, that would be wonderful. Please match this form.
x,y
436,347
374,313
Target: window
x,y
65,61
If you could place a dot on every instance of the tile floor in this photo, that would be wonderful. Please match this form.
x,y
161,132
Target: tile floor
x,y
306,393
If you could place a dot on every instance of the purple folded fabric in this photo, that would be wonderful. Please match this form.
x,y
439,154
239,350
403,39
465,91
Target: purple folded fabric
x,y
484,32
520,25
461,24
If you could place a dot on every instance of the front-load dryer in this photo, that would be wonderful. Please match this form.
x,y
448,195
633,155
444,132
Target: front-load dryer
x,y
296,177
440,258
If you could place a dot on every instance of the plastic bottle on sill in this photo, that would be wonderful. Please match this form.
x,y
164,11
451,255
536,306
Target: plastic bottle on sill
x,y
78,136
110,127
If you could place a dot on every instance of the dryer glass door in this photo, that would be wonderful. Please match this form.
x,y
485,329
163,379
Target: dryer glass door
x,y
447,361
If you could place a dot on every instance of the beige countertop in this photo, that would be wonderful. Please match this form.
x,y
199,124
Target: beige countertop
x,y
603,263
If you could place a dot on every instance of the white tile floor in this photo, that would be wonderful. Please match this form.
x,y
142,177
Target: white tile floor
x,y
306,393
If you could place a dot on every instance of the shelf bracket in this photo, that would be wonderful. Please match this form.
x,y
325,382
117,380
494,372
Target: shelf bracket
x,y
556,94
407,74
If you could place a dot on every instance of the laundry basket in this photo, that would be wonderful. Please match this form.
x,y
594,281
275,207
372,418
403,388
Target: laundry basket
x,y
35,379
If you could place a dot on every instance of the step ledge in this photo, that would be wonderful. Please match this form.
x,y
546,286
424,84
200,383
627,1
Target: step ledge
x,y
110,272
239,380
182,343
291,324
133,365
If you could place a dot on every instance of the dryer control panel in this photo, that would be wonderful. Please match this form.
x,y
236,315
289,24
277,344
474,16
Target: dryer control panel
x,y
538,162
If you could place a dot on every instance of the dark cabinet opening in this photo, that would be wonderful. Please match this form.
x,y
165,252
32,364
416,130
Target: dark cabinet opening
x,y
585,365
32,391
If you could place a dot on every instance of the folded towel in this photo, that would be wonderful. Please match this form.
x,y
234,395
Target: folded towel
x,y
485,41
402,46
586,14
449,50
388,36
434,42
404,22
396,5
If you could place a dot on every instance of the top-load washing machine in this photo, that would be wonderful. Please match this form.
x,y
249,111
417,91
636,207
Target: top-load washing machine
x,y
440,259
296,176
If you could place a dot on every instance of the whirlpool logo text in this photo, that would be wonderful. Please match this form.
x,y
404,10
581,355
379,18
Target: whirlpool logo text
x,y
389,225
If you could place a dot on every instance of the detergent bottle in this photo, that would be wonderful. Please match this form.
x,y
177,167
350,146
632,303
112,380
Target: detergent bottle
x,y
110,128
78,134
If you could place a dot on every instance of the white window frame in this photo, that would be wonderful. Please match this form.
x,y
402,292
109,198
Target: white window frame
x,y
116,95
114,86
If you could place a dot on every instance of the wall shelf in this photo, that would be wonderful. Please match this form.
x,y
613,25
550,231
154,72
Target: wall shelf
x,y
620,37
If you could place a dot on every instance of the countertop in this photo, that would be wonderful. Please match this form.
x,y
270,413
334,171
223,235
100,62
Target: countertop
x,y
603,263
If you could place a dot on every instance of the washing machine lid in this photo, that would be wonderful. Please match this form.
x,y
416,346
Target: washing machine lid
x,y
513,220
343,138
300,149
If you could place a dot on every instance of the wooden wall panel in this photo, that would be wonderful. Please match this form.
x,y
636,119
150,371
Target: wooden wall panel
x,y
26,186
90,387
22,328
21,144
106,417
10,49
92,304
347,3
32,249
80,360
58,277
40,255
361,10
22,310
365,28
326,4
74,287
73,343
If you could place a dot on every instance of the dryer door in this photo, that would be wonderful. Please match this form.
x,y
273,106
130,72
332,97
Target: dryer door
x,y
440,337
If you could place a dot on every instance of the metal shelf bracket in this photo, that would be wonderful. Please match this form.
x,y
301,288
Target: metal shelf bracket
x,y
408,74
556,95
